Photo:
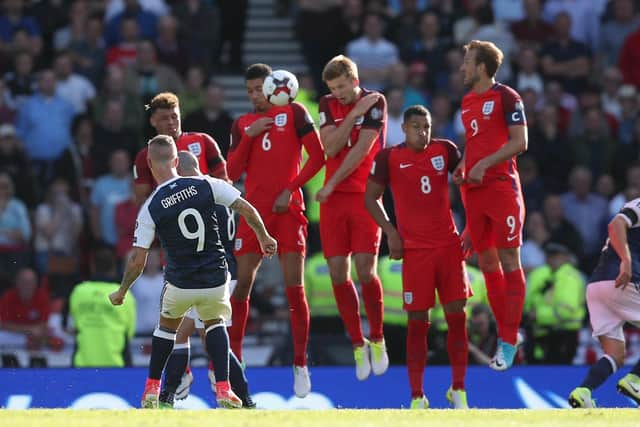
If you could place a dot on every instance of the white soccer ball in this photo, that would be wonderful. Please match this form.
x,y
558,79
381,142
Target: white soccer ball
x,y
280,87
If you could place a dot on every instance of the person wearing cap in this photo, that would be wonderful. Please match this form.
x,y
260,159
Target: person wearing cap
x,y
555,305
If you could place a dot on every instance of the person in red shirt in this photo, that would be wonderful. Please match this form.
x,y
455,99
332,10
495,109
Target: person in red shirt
x,y
165,119
496,132
267,145
629,61
24,309
428,243
353,129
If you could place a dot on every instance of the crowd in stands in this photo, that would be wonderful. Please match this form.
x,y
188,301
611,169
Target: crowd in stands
x,y
76,75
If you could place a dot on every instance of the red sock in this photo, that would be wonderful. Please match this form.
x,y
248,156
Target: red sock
x,y
457,347
239,315
349,308
210,365
299,316
417,354
514,301
496,289
372,296
186,371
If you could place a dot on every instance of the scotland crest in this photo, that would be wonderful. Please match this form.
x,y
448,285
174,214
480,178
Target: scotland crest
x,y
437,162
487,107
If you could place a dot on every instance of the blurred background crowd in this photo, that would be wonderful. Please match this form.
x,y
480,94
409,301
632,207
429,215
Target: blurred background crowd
x,y
75,75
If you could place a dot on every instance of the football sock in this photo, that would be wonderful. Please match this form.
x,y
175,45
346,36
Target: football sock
x,y
239,315
599,372
372,296
218,348
515,291
236,376
349,308
417,354
636,368
176,366
496,288
299,317
457,347
161,346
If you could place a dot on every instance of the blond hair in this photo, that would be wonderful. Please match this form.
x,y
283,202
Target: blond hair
x,y
340,66
487,53
162,148
163,100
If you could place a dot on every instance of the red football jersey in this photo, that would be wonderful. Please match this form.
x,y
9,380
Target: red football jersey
x,y
420,186
486,118
332,112
272,159
201,145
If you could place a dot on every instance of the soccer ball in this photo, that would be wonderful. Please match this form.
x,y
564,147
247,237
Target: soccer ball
x,y
280,87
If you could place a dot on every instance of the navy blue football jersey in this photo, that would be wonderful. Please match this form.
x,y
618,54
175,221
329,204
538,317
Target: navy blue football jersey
x,y
608,266
183,213
227,230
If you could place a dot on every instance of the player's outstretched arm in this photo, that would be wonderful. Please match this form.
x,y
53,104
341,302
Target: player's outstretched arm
x,y
516,144
133,270
618,239
373,203
254,220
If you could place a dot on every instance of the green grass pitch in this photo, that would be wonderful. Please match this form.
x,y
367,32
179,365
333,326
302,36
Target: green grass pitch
x,y
319,418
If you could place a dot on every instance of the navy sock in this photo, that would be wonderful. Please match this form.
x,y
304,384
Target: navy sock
x,y
218,349
236,376
599,372
636,368
176,366
161,346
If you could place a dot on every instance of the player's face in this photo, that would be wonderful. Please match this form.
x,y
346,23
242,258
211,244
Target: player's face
x,y
469,68
166,121
254,92
417,130
343,89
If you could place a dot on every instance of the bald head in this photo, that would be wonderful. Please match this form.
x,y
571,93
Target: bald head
x,y
187,164
162,151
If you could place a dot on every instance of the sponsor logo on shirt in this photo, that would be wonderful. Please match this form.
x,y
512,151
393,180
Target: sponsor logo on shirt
x,y
437,162
195,148
487,107
280,120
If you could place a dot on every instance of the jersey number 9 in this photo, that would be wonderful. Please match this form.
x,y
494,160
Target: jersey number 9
x,y
192,235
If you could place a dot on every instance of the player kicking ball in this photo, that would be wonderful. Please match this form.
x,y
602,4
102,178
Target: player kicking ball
x,y
428,243
613,299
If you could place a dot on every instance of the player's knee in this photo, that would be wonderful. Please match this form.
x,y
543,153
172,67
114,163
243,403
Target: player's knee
x,y
242,290
455,306
510,259
418,315
488,261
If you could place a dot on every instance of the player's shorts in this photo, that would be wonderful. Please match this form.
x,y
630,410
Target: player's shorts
x,y
289,229
346,226
495,214
610,308
425,271
210,303
193,312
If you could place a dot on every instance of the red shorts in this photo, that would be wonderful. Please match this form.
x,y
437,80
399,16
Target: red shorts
x,y
426,270
346,226
289,229
495,215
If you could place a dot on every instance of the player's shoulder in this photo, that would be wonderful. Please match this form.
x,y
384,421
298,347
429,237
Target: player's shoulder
x,y
504,89
447,144
388,152
632,204
142,154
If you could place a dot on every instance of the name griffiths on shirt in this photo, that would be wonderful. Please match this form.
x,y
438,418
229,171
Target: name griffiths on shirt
x,y
181,195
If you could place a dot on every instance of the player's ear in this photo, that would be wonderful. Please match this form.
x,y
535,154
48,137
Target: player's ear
x,y
356,82
404,127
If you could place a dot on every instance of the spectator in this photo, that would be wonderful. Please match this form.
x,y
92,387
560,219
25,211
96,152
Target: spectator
x,y
430,49
171,51
531,31
395,101
75,28
593,148
7,110
111,135
234,16
148,291
441,117
213,119
626,156
113,89
466,24
629,61
611,82
58,223
199,29
555,305
589,99
15,229
625,21
403,28
536,235
588,212
489,29
628,98
13,20
21,82
373,54
125,217
192,98
562,231
108,191
147,22
71,86
44,123
24,311
411,80
483,337
125,52
88,53
606,187
528,76
584,15
103,330
532,184
15,163
564,58
156,7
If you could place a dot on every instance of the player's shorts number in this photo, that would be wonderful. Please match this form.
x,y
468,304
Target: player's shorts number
x,y
266,142
511,223
425,185
192,235
474,127
231,224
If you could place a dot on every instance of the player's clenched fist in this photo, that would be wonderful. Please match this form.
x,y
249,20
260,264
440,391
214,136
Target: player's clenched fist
x,y
117,297
269,246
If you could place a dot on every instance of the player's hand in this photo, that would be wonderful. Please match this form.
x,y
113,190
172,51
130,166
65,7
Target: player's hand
x,y
624,277
394,241
324,193
364,104
467,246
477,173
281,205
259,126
117,297
269,246
458,174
